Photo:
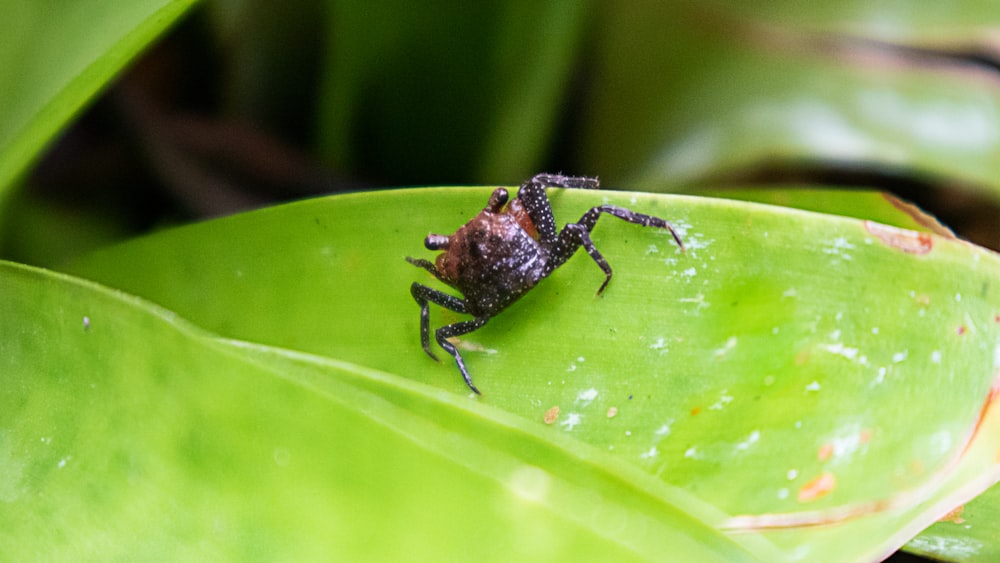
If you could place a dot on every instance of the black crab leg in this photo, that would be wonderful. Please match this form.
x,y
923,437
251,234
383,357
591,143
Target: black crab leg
x,y
536,202
458,329
575,235
427,265
422,295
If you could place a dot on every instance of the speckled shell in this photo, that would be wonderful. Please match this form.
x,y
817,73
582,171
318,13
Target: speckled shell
x,y
493,261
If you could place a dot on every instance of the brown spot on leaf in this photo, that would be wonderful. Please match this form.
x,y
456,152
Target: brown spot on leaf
x,y
920,216
612,412
551,415
954,515
695,411
911,242
962,330
817,488
865,436
825,452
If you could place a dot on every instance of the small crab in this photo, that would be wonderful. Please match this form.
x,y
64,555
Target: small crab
x,y
504,252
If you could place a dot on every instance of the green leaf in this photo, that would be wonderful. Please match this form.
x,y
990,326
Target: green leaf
x,y
726,96
790,368
961,21
56,55
129,434
860,204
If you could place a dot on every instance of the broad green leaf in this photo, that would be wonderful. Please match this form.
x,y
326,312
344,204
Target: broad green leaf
x,y
790,368
126,433
56,55
712,102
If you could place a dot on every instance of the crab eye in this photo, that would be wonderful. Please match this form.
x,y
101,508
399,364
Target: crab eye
x,y
436,242
497,200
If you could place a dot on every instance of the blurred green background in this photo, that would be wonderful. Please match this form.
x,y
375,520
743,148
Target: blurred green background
x,y
246,103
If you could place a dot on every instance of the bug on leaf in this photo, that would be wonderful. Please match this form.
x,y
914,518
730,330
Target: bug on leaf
x,y
504,251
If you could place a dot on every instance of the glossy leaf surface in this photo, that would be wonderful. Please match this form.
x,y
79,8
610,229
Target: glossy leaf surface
x,y
787,346
128,433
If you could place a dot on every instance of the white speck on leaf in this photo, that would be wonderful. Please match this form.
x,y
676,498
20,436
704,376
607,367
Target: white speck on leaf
x,y
950,547
839,247
650,454
698,300
664,430
792,474
783,493
692,453
899,356
841,350
653,249
724,400
814,386
936,357
881,376
572,420
752,439
790,292
846,443
730,344
586,396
